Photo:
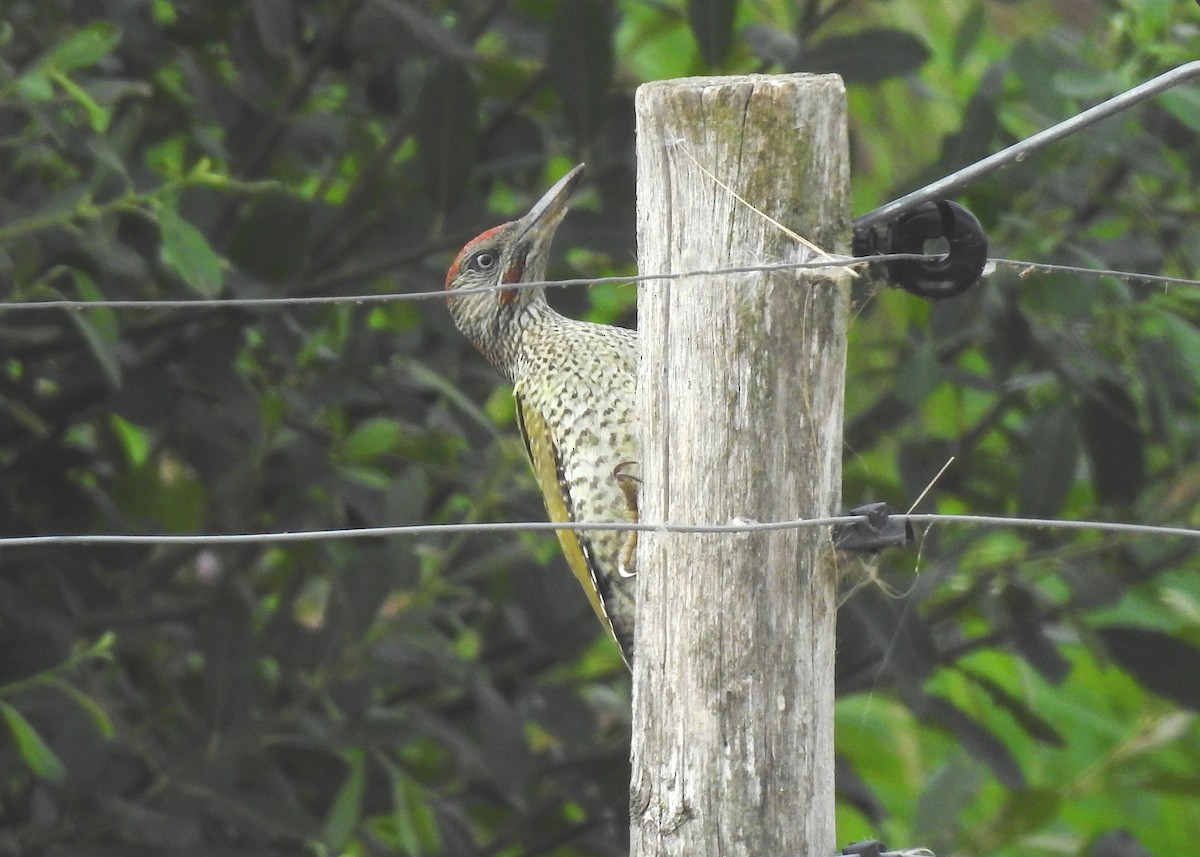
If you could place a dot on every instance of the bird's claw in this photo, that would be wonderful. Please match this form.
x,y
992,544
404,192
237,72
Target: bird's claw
x,y
627,560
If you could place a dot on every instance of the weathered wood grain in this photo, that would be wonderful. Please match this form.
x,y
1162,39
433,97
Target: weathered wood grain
x,y
740,395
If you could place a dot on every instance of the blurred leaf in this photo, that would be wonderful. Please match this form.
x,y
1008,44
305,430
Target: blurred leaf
x,y
977,128
516,149
35,86
1037,726
506,752
415,822
1115,446
276,26
426,376
771,45
360,595
969,31
372,438
887,637
1050,467
160,830
1184,340
83,48
98,117
1183,102
917,376
867,56
1029,636
94,710
579,55
34,752
1086,84
347,806
99,328
1031,808
133,440
427,28
1118,843
712,26
272,236
1161,663
186,250
447,131
853,788
160,494
984,746
229,648
944,799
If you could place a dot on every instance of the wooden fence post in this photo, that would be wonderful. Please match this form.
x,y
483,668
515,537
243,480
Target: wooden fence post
x,y
740,390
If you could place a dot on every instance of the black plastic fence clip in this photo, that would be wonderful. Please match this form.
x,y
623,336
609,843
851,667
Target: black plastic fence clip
x,y
865,848
877,532
942,277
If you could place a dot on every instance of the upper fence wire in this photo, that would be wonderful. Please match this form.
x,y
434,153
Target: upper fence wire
x,y
1024,266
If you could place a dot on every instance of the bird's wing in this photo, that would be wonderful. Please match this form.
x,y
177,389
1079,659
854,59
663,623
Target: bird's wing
x,y
548,471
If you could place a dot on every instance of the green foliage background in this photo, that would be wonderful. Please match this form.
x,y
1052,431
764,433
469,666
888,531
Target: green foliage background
x,y
1002,692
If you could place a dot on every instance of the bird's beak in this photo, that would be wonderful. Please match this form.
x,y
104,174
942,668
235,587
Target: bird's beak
x,y
526,259
537,227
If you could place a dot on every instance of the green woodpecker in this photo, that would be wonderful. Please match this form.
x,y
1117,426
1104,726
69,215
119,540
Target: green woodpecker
x,y
574,383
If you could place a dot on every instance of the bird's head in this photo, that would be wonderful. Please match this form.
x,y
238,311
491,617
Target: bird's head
x,y
511,253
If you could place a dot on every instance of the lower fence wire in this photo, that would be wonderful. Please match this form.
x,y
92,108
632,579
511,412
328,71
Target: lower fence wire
x,y
740,526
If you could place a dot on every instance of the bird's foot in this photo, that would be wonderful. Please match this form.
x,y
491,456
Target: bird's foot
x,y
627,560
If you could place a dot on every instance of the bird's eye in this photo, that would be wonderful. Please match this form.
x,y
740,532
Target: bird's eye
x,y
484,260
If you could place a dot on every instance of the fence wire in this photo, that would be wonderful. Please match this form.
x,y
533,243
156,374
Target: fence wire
x,y
1024,267
735,527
